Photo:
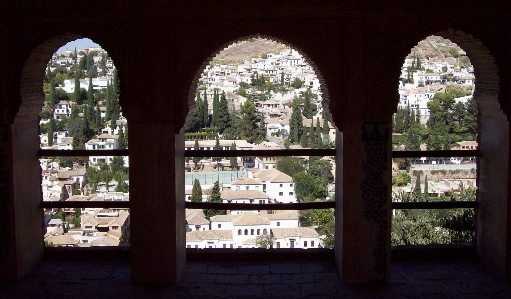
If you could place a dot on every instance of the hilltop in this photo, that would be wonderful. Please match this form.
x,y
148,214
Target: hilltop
x,y
248,49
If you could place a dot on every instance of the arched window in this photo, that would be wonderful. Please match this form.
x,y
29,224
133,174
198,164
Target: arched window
x,y
246,232
436,112
239,232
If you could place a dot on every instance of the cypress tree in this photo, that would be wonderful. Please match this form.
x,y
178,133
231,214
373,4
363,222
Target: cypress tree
x,y
76,92
312,135
52,97
318,141
205,107
116,84
233,160
223,117
305,140
417,192
307,105
282,79
98,116
196,160
295,124
121,143
214,197
262,130
90,93
199,113
126,139
326,131
107,99
50,131
196,191
214,120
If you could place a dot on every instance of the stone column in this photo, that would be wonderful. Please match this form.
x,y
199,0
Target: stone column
x,y
157,214
363,211
493,192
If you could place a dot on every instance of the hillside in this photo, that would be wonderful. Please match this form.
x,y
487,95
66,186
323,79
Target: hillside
x,y
248,49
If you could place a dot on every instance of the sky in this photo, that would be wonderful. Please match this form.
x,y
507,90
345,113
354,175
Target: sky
x,y
80,44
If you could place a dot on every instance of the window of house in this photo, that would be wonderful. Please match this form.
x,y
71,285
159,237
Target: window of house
x,y
304,243
196,246
239,232
258,231
224,246
278,244
280,185
281,193
278,223
312,243
246,232
252,231
188,246
291,193
219,225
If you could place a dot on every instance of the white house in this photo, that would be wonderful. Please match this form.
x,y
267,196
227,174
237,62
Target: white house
x,y
61,110
278,185
298,237
102,142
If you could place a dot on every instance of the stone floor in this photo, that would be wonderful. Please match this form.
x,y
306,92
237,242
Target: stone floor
x,y
299,279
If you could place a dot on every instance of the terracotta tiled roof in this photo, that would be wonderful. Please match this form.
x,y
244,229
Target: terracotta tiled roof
x,y
243,194
250,219
309,232
287,215
209,235
273,175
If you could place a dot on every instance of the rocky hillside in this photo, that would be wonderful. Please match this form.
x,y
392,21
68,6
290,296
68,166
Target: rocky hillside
x,y
248,49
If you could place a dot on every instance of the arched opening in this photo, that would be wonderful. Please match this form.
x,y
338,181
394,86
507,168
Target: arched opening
x,y
436,112
48,81
490,173
260,93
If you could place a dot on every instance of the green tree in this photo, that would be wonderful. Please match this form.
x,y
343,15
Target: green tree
x,y
308,187
121,139
196,148
265,240
307,104
297,83
214,197
217,148
233,160
248,122
326,131
223,120
196,191
117,164
290,165
295,124
205,108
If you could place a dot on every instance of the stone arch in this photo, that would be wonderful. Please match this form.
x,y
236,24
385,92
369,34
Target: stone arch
x,y
193,86
30,83
492,228
486,71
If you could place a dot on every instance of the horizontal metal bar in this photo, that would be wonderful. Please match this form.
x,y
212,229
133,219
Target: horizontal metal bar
x,y
260,153
435,205
85,204
249,206
78,153
436,154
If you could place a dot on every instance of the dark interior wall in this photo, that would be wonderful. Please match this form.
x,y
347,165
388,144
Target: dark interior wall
x,y
356,47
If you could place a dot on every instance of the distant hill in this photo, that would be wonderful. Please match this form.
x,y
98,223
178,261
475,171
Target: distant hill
x,y
245,50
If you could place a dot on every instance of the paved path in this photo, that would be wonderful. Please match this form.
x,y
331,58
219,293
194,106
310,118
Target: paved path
x,y
299,279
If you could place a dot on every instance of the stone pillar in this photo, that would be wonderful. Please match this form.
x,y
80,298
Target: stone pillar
x,y
493,192
22,222
157,214
363,211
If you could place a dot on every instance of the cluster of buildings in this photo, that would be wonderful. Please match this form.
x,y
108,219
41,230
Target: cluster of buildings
x,y
436,74
98,227
249,229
